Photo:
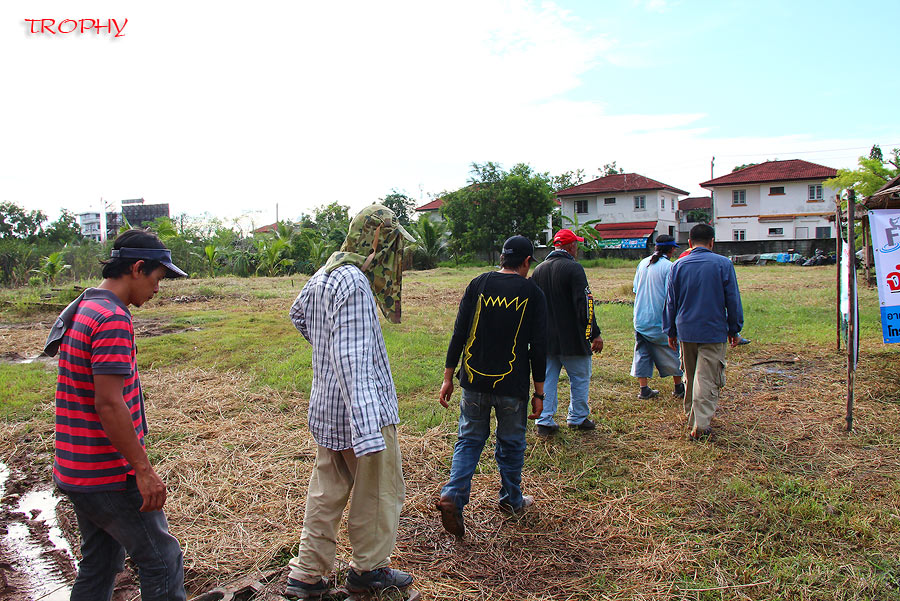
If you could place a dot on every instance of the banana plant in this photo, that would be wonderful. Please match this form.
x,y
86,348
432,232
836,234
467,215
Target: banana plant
x,y
51,266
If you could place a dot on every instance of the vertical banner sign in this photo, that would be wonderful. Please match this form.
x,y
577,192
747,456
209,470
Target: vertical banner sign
x,y
848,284
885,226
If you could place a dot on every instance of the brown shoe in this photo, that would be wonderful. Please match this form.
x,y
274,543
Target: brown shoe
x,y
451,517
527,501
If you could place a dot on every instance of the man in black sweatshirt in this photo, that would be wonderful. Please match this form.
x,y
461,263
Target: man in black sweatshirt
x,y
500,333
573,333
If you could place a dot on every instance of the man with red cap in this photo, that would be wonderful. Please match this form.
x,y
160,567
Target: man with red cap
x,y
572,333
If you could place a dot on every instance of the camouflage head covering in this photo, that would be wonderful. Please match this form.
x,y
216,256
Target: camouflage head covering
x,y
376,228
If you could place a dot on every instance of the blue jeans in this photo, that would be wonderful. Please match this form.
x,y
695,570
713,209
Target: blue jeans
x,y
111,524
474,429
579,369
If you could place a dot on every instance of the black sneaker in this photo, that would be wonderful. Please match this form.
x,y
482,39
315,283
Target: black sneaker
x,y
546,431
679,390
647,393
587,424
742,341
297,589
376,581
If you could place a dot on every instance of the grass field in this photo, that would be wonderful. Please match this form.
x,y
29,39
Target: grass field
x,y
784,504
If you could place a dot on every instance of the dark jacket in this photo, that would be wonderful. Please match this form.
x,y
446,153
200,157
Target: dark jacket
x,y
703,303
570,305
500,333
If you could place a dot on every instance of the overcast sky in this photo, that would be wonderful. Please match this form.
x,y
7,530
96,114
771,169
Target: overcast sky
x,y
230,107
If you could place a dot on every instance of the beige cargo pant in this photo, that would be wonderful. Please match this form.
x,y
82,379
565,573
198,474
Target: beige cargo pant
x,y
374,485
704,373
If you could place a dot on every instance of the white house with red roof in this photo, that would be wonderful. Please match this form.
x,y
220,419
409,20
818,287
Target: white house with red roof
x,y
773,200
431,210
691,211
633,209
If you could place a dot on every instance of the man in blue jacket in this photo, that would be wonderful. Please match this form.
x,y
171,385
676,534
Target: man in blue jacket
x,y
703,311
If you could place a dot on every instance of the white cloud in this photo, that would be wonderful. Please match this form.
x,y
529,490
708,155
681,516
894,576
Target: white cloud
x,y
230,107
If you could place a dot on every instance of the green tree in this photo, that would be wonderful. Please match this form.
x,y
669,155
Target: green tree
x,y
495,205
567,179
610,169
271,253
431,241
16,222
212,253
333,220
51,266
401,204
64,230
744,166
871,174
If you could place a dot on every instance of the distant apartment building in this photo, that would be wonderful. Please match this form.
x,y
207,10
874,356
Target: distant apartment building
x,y
773,200
691,211
633,209
90,226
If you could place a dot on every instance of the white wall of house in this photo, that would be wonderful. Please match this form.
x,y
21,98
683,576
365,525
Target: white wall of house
x,y
435,216
773,210
619,207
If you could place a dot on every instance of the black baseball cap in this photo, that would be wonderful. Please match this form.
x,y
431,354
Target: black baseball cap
x,y
518,246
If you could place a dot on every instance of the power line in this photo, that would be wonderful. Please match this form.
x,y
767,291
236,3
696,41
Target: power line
x,y
805,151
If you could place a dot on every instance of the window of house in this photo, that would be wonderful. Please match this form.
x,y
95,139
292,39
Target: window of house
x,y
738,235
815,192
662,203
776,190
823,232
581,206
640,203
776,231
672,230
738,197
609,201
673,204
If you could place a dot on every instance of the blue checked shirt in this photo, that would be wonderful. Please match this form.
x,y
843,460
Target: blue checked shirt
x,y
353,395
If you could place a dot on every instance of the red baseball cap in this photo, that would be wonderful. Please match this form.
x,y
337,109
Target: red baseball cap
x,y
564,237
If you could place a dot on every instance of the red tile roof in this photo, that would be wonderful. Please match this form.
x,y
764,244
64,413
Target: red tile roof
x,y
621,182
773,171
633,229
266,228
434,205
695,202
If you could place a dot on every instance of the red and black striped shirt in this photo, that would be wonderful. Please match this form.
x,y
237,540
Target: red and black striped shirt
x,y
100,340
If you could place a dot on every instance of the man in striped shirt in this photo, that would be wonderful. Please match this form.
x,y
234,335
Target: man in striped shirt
x,y
353,410
101,463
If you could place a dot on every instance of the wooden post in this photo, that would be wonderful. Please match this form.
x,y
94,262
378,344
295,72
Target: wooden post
x,y
851,312
838,234
867,249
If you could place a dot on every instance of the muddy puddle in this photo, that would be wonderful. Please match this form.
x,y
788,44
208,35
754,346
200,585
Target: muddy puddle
x,y
37,560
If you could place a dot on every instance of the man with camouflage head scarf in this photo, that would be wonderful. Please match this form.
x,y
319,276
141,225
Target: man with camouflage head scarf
x,y
353,409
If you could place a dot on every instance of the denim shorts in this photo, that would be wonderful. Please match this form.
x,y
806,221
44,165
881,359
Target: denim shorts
x,y
647,354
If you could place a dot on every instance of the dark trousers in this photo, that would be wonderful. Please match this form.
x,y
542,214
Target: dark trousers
x,y
111,525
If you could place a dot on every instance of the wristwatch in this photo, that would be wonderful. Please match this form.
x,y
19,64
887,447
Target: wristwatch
x,y
538,396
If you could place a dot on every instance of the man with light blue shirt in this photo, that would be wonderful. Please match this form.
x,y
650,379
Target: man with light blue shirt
x,y
651,344
703,311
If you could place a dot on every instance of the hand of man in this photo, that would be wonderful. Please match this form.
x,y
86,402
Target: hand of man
x,y
152,490
446,393
734,340
537,407
673,343
597,344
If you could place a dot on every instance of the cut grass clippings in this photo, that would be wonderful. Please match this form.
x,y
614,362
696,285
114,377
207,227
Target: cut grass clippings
x,y
784,504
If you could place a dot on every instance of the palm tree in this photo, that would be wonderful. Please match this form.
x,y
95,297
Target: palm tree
x,y
271,259
212,255
51,266
431,241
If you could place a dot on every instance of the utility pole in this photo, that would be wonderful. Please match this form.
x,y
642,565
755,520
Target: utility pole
x,y
276,213
712,195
